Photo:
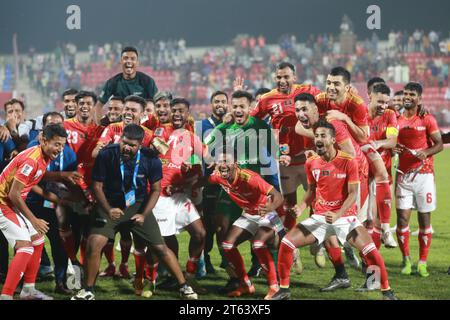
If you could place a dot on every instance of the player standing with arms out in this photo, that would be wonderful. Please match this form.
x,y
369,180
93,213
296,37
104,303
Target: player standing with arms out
x,y
24,232
333,183
418,140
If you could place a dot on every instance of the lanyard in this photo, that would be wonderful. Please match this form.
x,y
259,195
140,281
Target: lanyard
x,y
136,168
61,162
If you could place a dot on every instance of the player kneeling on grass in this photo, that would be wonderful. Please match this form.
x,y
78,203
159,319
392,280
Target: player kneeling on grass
x,y
333,183
122,175
259,221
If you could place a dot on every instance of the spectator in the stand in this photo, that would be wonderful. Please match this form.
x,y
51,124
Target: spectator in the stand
x,y
15,116
129,82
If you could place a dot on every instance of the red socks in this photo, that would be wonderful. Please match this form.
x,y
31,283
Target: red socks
x,y
32,268
335,256
285,261
266,261
17,269
376,237
373,258
425,236
383,199
139,261
191,265
235,260
403,240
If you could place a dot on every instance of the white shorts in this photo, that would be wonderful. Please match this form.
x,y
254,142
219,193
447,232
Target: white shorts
x,y
322,230
252,223
291,178
417,192
15,227
174,213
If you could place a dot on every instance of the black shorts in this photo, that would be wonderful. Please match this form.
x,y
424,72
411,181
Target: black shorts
x,y
149,232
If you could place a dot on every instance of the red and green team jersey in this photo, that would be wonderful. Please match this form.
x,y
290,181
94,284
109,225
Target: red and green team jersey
x,y
331,180
28,167
248,190
280,107
113,132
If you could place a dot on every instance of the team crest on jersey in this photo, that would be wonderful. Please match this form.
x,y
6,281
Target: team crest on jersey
x,y
38,174
326,173
159,132
316,174
375,129
26,170
287,103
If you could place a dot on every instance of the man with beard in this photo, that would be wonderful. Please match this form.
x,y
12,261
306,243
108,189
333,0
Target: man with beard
x,y
219,107
127,184
307,114
69,103
115,109
83,133
418,140
259,222
129,82
332,191
132,113
252,139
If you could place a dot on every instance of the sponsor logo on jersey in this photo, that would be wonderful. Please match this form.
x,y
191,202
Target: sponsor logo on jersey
x,y
341,175
38,174
330,203
26,170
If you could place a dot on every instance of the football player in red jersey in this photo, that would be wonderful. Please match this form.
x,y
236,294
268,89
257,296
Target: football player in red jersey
x,y
333,182
383,137
259,221
339,102
24,232
418,140
83,133
308,115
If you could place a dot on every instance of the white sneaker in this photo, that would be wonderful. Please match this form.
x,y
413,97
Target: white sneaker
x,y
352,259
83,295
388,240
187,293
297,267
33,294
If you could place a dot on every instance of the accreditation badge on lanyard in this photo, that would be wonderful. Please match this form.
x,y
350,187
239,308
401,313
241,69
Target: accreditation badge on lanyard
x,y
130,196
49,204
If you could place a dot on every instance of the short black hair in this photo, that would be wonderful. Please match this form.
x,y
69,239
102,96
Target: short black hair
x,y
341,71
373,81
381,88
129,49
54,130
69,92
398,93
305,97
51,114
12,101
414,86
149,100
217,93
133,131
84,94
184,101
117,98
284,65
261,91
242,94
323,123
136,99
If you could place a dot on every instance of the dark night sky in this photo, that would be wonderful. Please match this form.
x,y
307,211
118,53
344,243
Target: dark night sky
x,y
42,23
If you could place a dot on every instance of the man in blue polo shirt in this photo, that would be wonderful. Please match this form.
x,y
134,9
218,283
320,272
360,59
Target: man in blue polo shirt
x,y
122,175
